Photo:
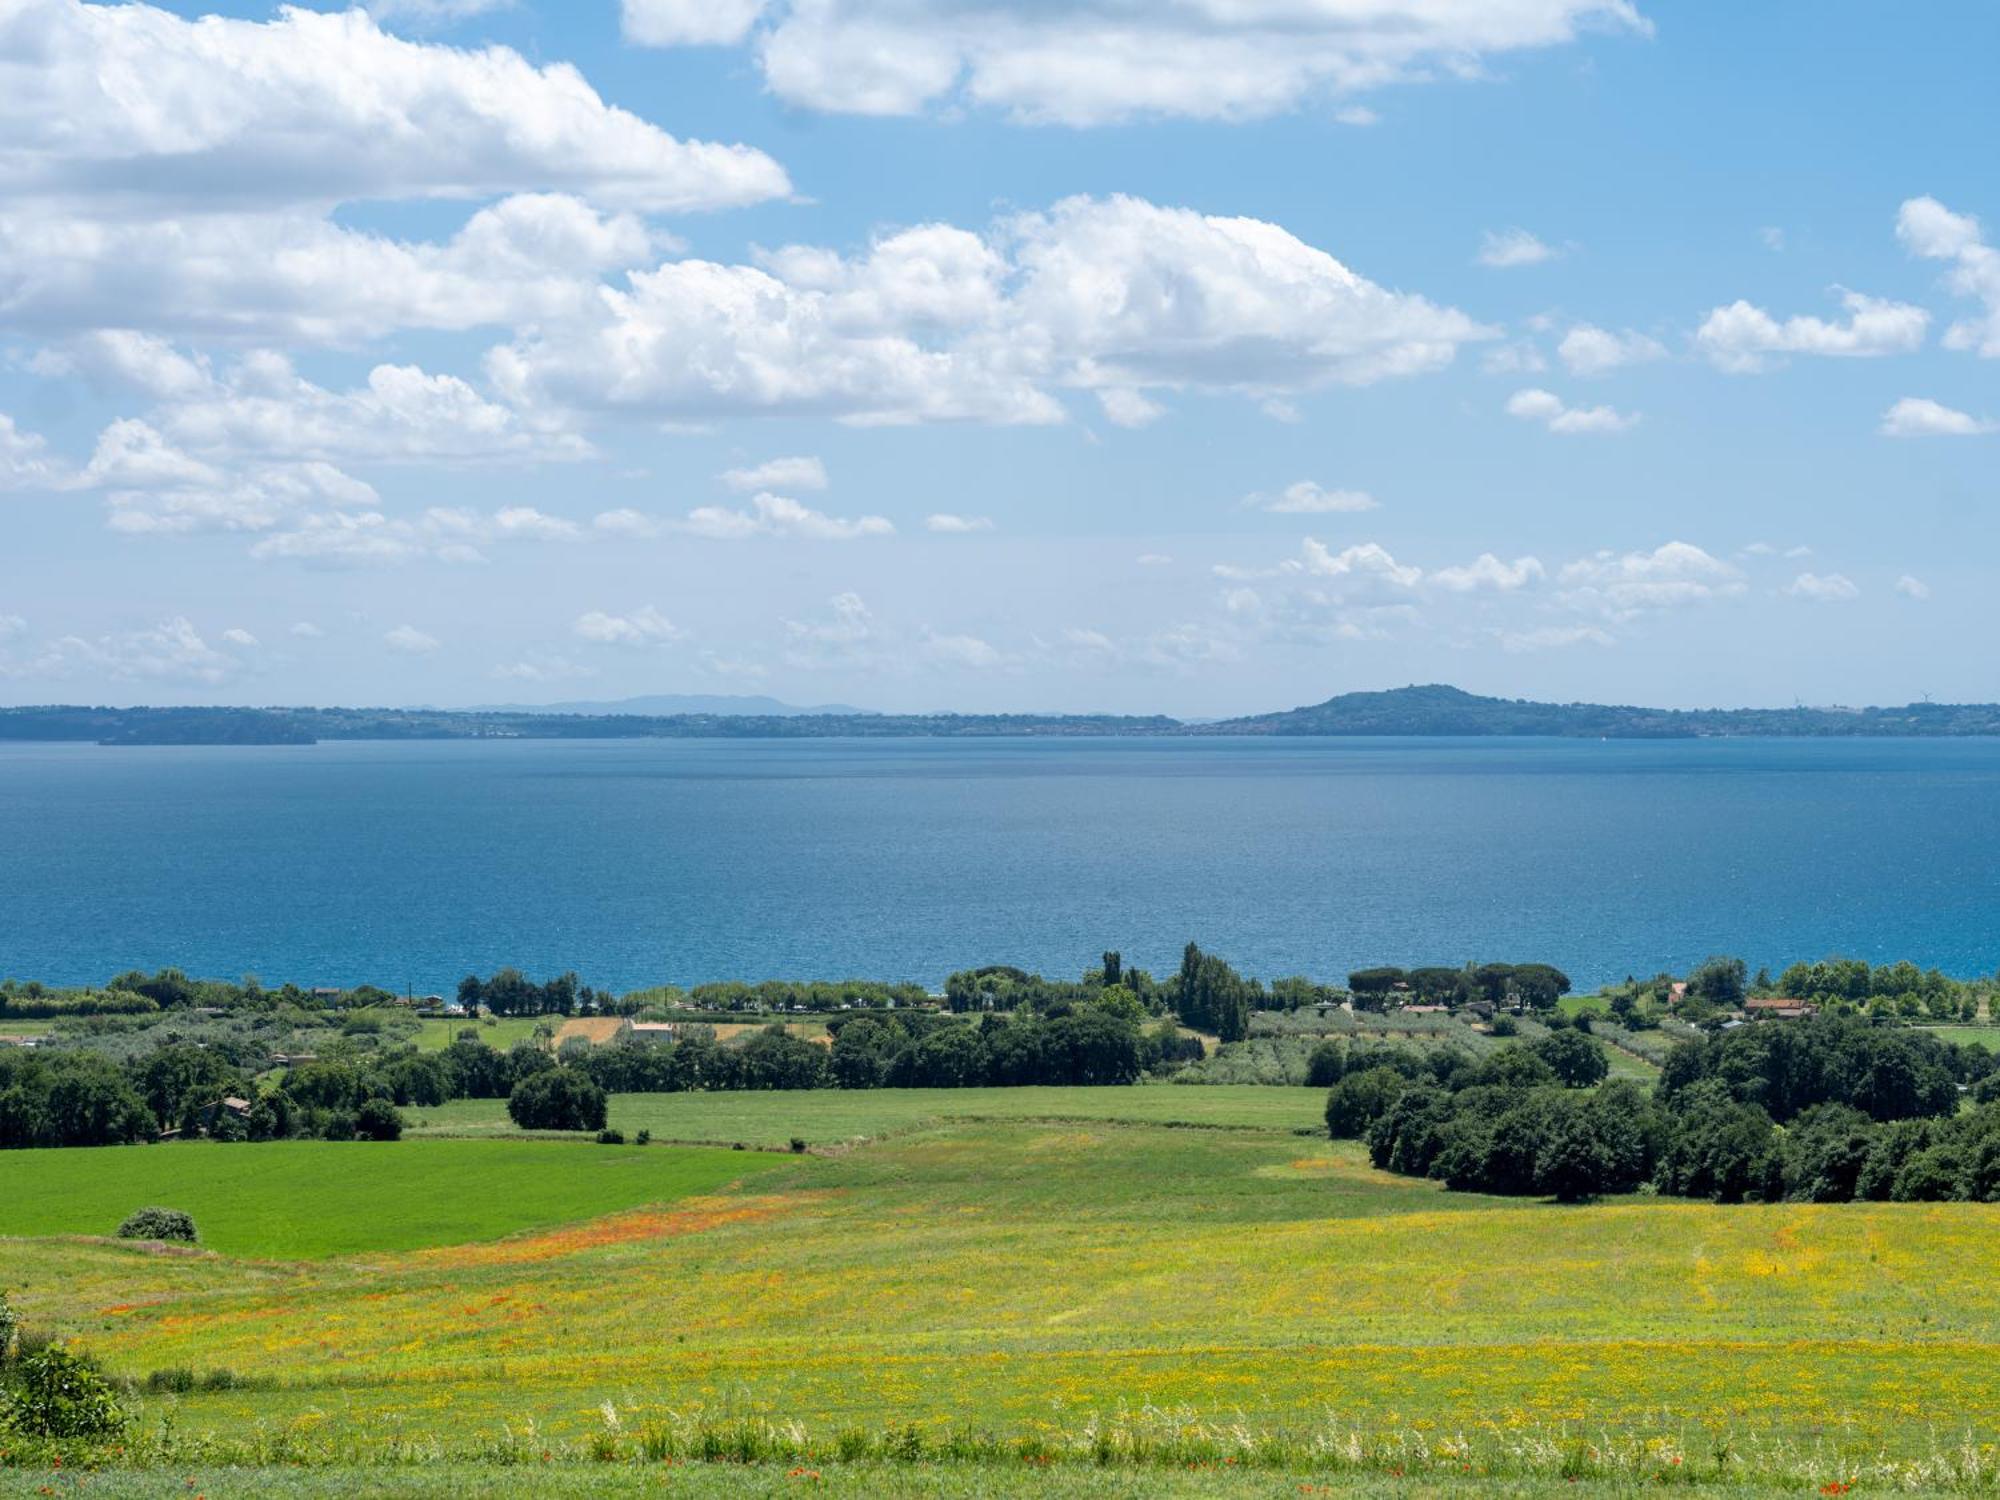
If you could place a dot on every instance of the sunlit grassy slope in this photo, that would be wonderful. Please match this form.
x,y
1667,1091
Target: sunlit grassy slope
x,y
1022,1275
304,1199
824,1118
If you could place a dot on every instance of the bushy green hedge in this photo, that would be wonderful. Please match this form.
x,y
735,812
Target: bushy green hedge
x,y
159,1224
58,1393
557,1099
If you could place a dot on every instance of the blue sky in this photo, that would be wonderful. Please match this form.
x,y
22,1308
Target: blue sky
x,y
997,354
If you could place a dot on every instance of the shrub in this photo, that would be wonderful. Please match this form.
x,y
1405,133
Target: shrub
x,y
610,1137
60,1394
557,1099
1324,1067
158,1224
8,1323
644,1138
377,1120
1359,1099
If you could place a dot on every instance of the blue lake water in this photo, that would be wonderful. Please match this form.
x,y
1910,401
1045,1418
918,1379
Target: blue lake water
x,y
637,862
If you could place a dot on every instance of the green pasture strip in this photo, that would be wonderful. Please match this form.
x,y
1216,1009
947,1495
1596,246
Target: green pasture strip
x,y
832,1117
582,1480
306,1199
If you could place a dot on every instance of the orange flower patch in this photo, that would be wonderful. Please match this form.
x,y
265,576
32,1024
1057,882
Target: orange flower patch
x,y
690,1216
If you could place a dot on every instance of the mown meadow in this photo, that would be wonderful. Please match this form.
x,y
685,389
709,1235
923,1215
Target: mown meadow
x,y
833,1118
1188,1278
308,1199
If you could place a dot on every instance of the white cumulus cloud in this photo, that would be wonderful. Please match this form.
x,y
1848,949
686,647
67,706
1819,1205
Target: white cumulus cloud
x,y
953,525
1918,416
1364,563
1535,405
961,651
779,516
1744,339
1504,249
1487,572
934,323
542,666
297,275
1307,498
410,641
689,23
171,651
845,635
452,534
1928,229
1673,576
644,626
433,12
25,460
1823,588
1588,350
777,474
1128,408
311,107
1089,62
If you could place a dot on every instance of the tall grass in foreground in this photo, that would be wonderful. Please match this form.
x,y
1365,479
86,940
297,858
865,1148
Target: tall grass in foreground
x,y
1138,1439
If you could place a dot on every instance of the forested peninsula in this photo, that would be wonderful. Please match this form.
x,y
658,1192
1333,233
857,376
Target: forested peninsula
x,y
1432,710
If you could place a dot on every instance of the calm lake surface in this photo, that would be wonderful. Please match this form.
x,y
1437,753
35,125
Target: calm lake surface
x,y
637,862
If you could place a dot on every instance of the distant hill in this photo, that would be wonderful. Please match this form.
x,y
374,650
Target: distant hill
x,y
1435,709
306,726
668,705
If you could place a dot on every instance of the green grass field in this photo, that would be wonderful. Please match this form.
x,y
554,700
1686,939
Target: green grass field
x,y
1978,1036
1628,1064
732,1481
306,1199
1076,1267
832,1118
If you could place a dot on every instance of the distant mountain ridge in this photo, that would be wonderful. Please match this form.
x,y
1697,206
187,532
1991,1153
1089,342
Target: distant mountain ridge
x,y
1435,709
671,705
1417,711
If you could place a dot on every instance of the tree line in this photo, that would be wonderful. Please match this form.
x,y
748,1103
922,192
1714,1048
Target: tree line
x,y
1516,986
75,1096
81,1098
1822,1110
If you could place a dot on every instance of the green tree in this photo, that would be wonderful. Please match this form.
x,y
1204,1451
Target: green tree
x,y
59,1393
1325,1065
951,1057
1720,980
1716,1147
863,1051
1360,1098
1371,988
1440,986
557,1099
377,1120
1574,1057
